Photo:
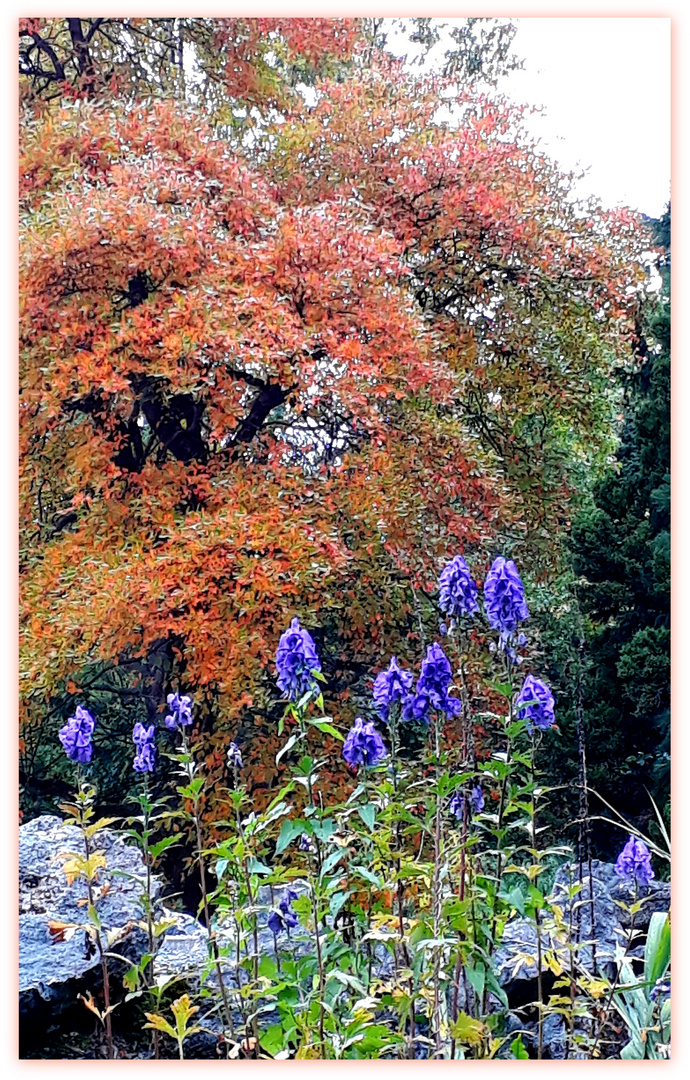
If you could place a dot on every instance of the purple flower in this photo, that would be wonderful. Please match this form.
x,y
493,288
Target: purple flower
x,y
390,686
180,712
295,660
234,756
415,707
434,681
144,740
457,592
363,745
635,862
305,842
75,736
504,596
284,918
535,704
457,803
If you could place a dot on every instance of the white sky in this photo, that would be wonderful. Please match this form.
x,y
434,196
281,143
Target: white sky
x,y
604,86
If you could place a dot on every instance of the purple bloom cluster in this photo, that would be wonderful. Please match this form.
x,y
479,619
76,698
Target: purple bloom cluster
x,y
457,803
433,684
144,740
75,736
457,592
535,704
284,918
635,862
415,707
305,843
391,685
363,745
296,658
504,596
234,756
180,712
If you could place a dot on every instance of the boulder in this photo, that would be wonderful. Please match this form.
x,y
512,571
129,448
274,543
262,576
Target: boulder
x,y
611,920
55,967
515,962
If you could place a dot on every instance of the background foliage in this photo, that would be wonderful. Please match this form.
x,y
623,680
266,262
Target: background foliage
x,y
298,324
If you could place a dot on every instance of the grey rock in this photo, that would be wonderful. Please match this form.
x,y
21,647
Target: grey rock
x,y
611,921
515,963
52,972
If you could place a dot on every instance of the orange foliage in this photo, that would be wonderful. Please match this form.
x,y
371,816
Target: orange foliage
x,y
247,381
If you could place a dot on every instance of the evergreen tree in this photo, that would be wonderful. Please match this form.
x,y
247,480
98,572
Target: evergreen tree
x,y
621,557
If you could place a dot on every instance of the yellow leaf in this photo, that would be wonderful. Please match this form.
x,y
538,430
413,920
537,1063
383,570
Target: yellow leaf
x,y
159,1023
468,1031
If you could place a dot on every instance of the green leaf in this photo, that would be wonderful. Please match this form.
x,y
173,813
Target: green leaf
x,y
330,862
157,849
657,953
323,829
368,815
327,729
272,1040
367,875
338,900
268,969
288,746
477,977
515,898
289,830
518,1050
255,866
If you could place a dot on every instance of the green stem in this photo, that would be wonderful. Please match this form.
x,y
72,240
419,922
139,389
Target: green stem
x,y
614,987
204,895
436,898
149,978
101,952
537,915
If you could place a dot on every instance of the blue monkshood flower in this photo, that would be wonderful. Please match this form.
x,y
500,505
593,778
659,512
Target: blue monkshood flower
x,y
284,918
434,681
144,740
457,592
391,685
504,596
660,989
634,864
234,756
457,803
535,704
415,707
363,745
305,842
75,736
296,658
180,712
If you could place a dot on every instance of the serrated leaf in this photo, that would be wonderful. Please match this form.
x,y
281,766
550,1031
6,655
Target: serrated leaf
x,y
467,1030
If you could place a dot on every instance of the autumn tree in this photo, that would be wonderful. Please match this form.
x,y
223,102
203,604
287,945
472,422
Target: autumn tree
x,y
290,373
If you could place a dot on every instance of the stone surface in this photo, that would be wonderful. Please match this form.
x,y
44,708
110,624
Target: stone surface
x,y
52,972
54,969
611,921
